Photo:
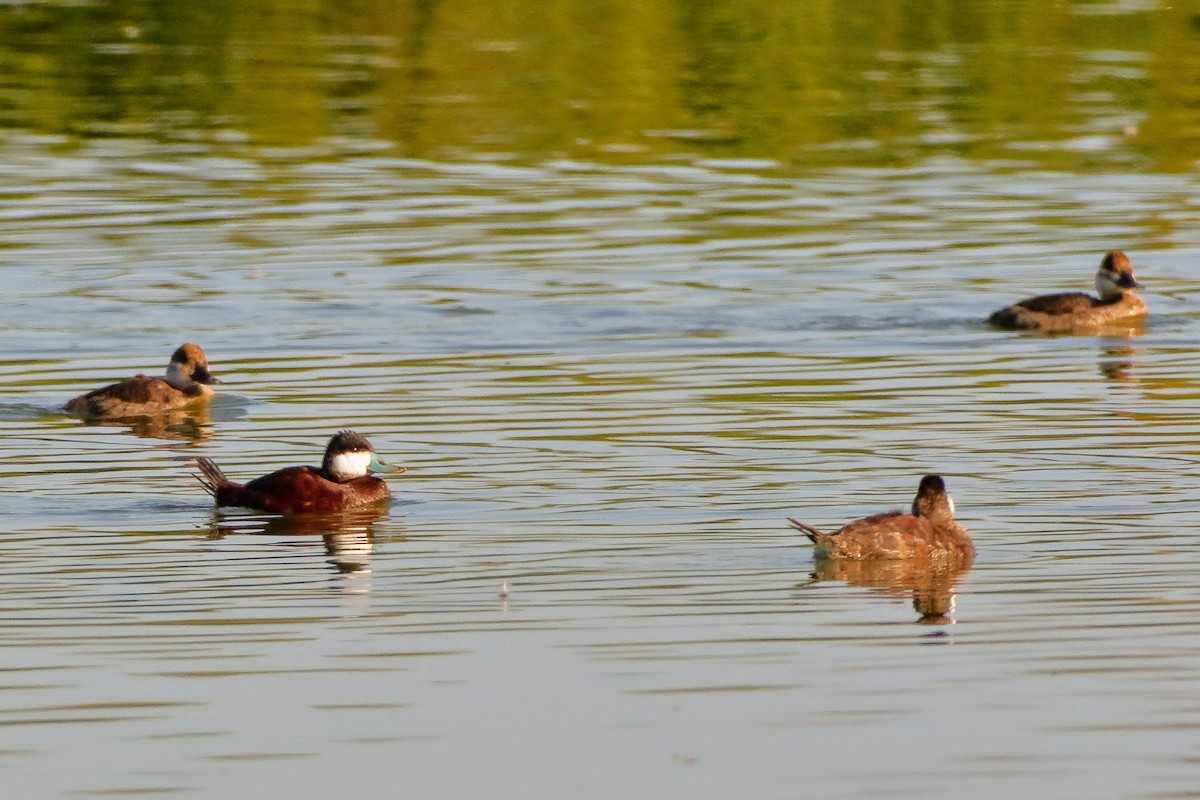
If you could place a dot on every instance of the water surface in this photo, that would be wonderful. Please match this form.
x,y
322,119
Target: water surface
x,y
614,353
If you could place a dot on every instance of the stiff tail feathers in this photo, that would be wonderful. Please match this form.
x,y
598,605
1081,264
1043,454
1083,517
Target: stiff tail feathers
x,y
210,477
808,530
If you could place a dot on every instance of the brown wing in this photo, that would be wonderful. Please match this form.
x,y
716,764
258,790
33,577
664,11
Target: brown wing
x,y
138,389
889,520
1064,303
890,535
290,490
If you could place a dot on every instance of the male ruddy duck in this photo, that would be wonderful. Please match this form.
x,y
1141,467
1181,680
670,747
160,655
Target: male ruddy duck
x,y
186,382
1075,311
342,481
929,532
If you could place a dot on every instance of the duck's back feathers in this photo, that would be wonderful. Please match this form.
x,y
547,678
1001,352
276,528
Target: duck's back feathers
x,y
1061,303
890,535
1070,311
141,394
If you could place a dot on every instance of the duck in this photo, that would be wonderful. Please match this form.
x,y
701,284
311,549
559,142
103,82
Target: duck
x,y
928,532
342,481
1074,311
187,381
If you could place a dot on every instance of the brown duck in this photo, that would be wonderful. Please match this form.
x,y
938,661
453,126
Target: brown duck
x,y
186,382
929,532
1078,311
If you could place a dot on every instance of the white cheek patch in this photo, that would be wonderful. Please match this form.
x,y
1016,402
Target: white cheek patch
x,y
950,500
177,377
1106,285
350,465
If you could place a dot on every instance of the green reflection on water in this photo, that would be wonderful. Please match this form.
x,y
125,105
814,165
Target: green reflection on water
x,y
818,82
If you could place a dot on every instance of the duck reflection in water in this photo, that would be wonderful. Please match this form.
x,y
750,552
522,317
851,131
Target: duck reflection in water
x,y
1117,363
180,424
931,586
348,536
922,551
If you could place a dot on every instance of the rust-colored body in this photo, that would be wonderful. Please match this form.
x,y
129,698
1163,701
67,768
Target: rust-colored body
x,y
929,532
293,490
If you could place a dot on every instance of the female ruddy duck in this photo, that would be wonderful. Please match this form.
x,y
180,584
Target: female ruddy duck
x,y
929,532
1074,311
186,382
342,481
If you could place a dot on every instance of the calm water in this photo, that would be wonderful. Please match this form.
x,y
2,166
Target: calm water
x,y
618,320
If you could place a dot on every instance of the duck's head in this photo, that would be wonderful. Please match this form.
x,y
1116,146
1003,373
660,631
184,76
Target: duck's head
x,y
933,501
188,367
349,455
1115,276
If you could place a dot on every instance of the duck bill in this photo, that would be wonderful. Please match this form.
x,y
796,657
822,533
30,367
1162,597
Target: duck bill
x,y
377,464
202,375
